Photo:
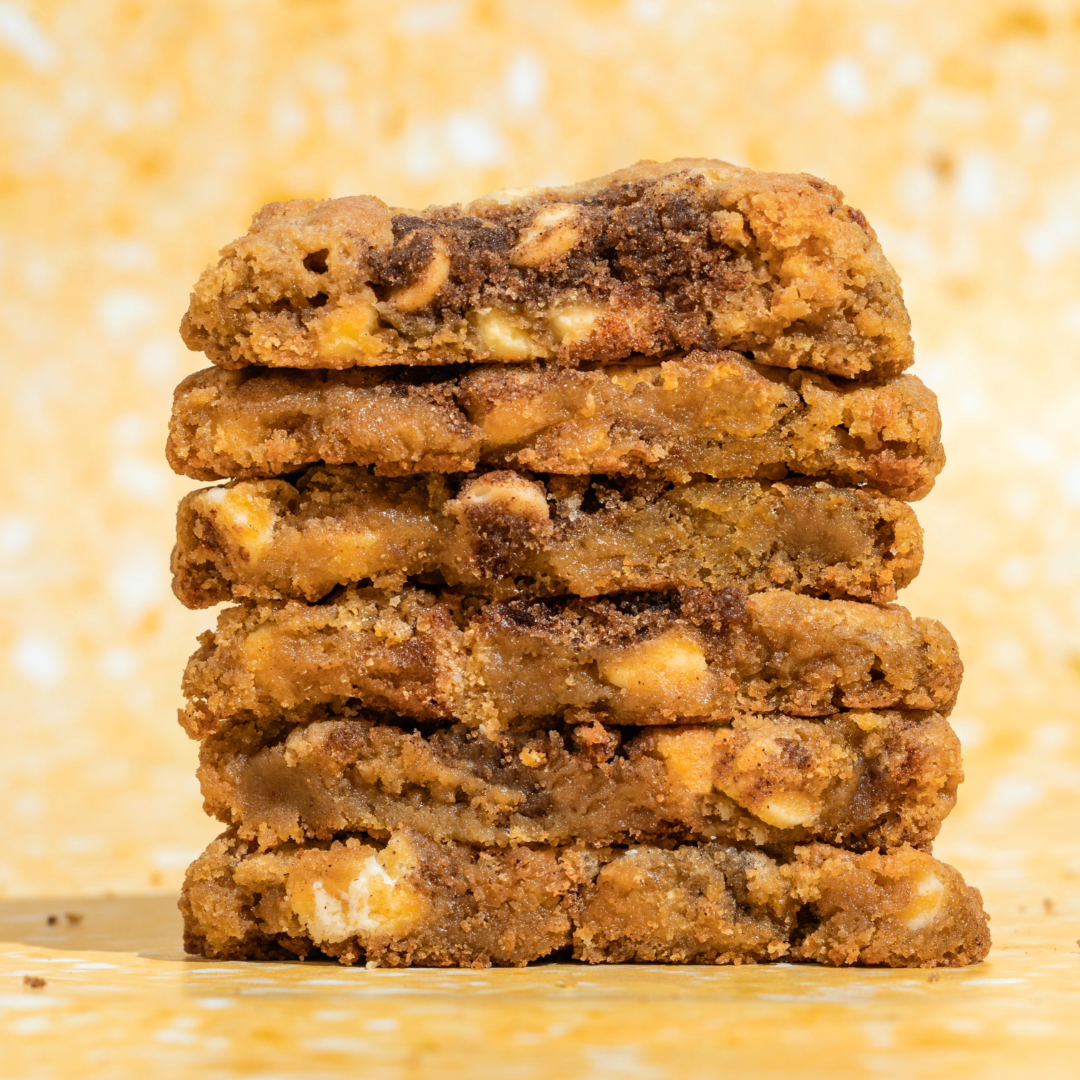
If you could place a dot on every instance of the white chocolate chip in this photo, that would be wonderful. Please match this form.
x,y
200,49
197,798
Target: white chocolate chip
x,y
243,516
348,332
688,756
359,896
788,810
336,918
506,336
553,231
420,292
573,322
928,893
672,665
755,776
509,493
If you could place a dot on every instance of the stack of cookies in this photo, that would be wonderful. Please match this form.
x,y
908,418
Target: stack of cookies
x,y
561,537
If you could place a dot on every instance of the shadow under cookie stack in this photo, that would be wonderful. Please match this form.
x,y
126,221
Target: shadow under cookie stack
x,y
561,536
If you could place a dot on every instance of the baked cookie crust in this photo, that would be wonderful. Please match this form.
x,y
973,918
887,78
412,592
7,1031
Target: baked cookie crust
x,y
861,780
714,414
645,658
506,534
685,254
411,901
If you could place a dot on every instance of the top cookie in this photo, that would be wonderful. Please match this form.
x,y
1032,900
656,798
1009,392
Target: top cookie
x,y
654,258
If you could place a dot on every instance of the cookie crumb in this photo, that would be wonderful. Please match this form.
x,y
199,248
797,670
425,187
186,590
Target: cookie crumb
x,y
51,920
35,982
73,917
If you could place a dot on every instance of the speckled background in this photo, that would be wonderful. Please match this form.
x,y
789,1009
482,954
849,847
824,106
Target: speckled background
x,y
138,137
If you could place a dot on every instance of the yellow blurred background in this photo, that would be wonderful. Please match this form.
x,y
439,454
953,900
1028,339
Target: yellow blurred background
x,y
136,138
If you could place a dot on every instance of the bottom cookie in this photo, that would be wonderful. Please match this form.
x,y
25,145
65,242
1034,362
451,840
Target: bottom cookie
x,y
414,901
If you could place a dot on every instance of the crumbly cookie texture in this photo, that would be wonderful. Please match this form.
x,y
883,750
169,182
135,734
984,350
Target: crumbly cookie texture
x,y
691,253
858,779
710,413
506,534
412,901
646,658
